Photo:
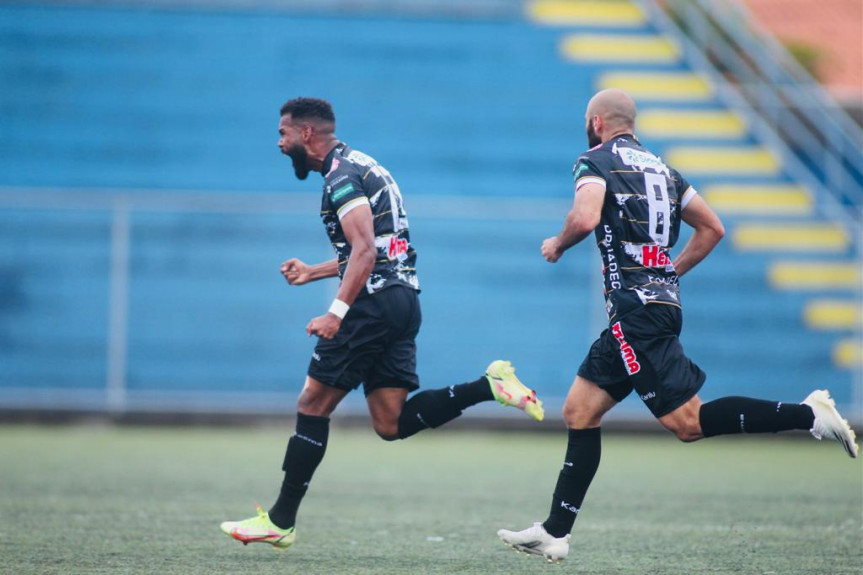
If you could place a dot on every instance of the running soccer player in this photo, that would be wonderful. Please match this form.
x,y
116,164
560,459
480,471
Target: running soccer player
x,y
368,334
633,202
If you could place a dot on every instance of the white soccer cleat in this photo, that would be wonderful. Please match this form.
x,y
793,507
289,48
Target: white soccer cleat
x,y
536,540
828,423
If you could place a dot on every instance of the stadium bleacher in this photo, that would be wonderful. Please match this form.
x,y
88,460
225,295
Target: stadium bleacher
x,y
165,121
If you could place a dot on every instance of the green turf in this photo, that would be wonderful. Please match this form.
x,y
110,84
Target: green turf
x,y
149,500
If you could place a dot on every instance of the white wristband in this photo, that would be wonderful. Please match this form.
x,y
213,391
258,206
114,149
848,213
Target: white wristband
x,y
339,308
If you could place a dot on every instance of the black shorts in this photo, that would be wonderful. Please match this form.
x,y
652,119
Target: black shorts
x,y
375,344
642,351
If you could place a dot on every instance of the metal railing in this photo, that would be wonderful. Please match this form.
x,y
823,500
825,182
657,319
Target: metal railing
x,y
786,97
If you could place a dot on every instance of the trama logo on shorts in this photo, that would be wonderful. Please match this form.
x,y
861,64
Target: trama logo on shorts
x,y
626,351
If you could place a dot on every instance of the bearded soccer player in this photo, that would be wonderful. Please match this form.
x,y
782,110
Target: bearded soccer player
x,y
368,334
633,203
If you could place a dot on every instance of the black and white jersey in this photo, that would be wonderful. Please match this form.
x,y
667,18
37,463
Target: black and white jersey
x,y
352,179
640,222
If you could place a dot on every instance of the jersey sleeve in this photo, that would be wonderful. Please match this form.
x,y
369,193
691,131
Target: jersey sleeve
x,y
585,172
685,189
344,190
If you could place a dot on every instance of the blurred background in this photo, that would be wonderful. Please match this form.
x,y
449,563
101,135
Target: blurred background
x,y
145,208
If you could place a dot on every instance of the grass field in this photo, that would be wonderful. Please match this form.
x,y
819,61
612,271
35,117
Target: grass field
x,y
102,499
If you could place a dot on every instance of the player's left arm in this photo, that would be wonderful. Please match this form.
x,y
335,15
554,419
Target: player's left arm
x,y
708,231
358,228
580,222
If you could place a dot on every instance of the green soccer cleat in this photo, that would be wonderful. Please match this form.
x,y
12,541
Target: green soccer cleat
x,y
260,530
508,390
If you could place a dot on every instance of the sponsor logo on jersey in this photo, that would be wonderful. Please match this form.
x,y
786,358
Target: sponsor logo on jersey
x,y
342,192
671,281
654,257
339,180
649,255
397,247
641,160
626,351
611,266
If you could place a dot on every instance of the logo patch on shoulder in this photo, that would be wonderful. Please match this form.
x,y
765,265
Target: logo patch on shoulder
x,y
579,168
343,191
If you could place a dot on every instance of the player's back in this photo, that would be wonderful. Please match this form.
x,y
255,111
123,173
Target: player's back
x,y
640,222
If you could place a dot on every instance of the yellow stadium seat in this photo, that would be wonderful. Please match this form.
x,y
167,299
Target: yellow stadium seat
x,y
666,86
758,199
619,48
802,237
848,353
815,275
726,160
833,314
585,13
706,124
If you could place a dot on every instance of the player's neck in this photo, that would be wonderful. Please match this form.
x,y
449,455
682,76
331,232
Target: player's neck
x,y
320,152
617,134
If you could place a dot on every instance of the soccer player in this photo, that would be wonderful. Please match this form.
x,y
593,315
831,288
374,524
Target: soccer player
x,y
368,334
633,203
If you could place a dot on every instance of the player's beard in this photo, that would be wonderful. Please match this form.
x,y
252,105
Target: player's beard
x,y
300,158
592,139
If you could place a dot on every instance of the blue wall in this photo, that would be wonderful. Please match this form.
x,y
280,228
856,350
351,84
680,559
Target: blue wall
x,y
479,121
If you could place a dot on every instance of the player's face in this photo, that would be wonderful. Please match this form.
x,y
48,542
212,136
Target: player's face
x,y
592,139
291,145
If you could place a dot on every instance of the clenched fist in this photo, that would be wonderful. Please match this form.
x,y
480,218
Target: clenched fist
x,y
296,272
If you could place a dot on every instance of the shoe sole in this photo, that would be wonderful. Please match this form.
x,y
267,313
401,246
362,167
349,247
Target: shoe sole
x,y
245,540
531,551
831,417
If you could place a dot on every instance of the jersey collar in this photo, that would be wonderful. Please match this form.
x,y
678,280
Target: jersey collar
x,y
328,160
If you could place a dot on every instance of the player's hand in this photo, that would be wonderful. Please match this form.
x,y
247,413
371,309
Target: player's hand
x,y
551,249
325,326
296,272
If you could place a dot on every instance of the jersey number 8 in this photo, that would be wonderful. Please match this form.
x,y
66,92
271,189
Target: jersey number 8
x,y
659,220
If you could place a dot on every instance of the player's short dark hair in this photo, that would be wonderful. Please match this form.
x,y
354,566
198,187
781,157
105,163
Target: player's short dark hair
x,y
309,109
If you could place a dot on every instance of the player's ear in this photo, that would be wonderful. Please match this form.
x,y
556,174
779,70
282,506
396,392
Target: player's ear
x,y
306,133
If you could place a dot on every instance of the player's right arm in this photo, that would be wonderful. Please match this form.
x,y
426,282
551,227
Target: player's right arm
x,y
708,231
580,222
298,273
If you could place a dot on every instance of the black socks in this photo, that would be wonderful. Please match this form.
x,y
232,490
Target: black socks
x,y
582,460
435,407
305,451
745,415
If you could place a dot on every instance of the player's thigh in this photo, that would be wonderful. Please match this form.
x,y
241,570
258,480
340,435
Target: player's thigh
x,y
650,349
345,361
585,404
319,399
396,364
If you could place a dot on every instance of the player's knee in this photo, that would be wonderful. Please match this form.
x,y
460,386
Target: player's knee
x,y
687,435
577,417
686,431
387,430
